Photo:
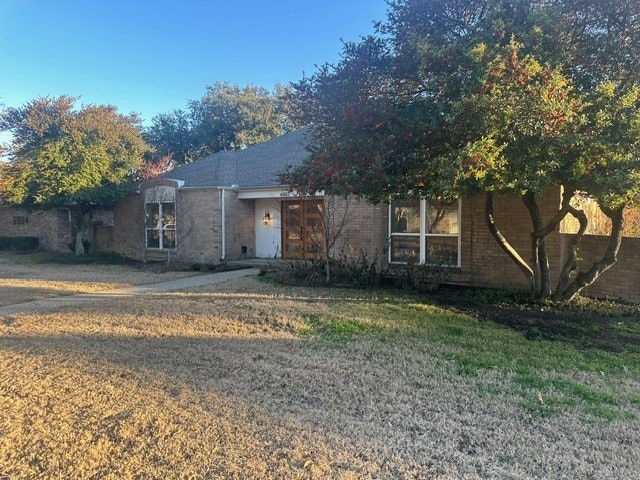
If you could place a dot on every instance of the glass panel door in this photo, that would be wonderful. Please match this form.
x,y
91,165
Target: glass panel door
x,y
302,228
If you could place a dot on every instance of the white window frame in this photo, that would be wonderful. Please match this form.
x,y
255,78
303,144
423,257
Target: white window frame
x,y
423,234
159,195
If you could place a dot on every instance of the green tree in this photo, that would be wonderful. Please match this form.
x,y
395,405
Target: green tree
x,y
79,159
456,98
3,180
171,134
227,117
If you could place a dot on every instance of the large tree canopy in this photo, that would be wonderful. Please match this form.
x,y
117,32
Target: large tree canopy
x,y
454,98
227,117
60,156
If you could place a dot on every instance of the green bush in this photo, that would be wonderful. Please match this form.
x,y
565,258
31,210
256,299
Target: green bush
x,y
19,243
357,270
420,278
301,272
362,270
103,258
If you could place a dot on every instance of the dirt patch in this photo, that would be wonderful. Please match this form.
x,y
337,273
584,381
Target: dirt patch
x,y
582,329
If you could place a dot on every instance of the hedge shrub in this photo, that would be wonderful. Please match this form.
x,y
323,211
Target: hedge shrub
x,y
19,243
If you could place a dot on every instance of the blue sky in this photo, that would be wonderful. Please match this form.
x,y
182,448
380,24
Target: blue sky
x,y
150,57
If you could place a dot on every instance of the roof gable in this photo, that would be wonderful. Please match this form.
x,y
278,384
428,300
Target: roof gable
x,y
255,166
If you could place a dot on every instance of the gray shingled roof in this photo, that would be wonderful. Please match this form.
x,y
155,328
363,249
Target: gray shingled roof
x,y
255,166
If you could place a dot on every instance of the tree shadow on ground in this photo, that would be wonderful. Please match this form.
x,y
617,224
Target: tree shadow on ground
x,y
619,334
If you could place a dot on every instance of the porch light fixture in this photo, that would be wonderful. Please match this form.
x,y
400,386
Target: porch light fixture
x,y
267,218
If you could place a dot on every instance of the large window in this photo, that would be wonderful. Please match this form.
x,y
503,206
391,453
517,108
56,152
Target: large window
x,y
160,218
161,225
424,231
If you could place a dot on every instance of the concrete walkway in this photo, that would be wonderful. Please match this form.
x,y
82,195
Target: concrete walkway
x,y
83,298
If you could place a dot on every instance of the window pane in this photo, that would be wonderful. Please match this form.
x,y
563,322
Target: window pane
x,y
405,216
313,208
442,218
313,248
442,251
293,222
168,215
292,247
153,238
152,215
405,249
169,239
293,208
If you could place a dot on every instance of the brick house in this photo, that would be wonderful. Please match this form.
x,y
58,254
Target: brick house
x,y
52,227
230,206
226,206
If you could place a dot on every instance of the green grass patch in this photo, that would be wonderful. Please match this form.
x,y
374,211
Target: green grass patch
x,y
472,364
517,364
336,330
559,395
634,399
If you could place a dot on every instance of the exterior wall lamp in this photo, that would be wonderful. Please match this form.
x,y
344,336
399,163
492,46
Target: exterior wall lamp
x,y
266,220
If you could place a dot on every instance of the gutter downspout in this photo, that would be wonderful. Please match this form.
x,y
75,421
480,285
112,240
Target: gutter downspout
x,y
223,214
68,211
223,253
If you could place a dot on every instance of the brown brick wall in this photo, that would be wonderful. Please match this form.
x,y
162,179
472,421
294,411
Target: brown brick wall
x,y
52,227
127,235
240,226
100,231
199,225
364,229
622,281
485,262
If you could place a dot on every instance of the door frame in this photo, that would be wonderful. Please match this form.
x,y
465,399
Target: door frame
x,y
302,230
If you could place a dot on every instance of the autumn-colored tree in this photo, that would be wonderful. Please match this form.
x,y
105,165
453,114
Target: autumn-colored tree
x,y
455,98
152,168
79,159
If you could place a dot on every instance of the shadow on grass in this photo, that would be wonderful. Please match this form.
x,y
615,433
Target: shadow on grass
x,y
16,295
279,374
584,330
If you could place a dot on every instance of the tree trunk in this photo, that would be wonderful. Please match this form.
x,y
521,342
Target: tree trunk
x,y
504,244
571,263
539,257
81,229
79,243
584,279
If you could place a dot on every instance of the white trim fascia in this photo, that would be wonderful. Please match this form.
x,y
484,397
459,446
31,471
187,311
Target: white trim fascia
x,y
253,193
179,182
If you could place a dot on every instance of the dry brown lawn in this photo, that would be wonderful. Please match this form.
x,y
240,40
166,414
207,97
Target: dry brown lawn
x,y
33,277
225,382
